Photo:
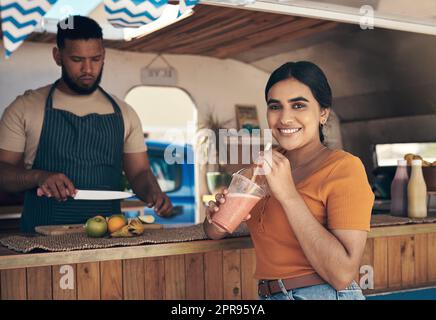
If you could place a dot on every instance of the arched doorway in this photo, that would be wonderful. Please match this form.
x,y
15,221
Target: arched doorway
x,y
163,111
168,115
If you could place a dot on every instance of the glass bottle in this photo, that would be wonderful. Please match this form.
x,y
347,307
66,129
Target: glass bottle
x,y
399,190
417,192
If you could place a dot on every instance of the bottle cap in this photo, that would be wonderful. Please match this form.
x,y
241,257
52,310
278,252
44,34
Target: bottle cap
x,y
416,162
402,162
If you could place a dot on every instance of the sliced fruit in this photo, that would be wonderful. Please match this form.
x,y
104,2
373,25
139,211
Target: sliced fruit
x,y
122,233
136,227
148,218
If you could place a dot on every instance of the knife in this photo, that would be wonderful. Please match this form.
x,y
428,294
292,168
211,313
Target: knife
x,y
101,195
97,194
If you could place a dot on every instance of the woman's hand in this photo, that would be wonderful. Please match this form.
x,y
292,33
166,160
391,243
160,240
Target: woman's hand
x,y
214,206
279,175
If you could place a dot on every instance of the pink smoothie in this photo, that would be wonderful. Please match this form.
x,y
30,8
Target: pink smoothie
x,y
234,210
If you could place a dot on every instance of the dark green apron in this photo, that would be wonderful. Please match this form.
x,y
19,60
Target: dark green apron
x,y
89,151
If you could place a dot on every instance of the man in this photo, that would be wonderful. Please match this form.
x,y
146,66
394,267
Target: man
x,y
72,134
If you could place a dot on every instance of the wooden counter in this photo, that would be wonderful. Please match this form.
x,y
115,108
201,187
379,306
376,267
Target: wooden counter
x,y
211,269
402,257
11,260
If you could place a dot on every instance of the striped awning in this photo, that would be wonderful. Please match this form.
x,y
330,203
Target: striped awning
x,y
21,17
19,20
133,13
136,13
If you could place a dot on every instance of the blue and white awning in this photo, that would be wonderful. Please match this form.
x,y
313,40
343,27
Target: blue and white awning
x,y
185,5
19,19
133,13
137,13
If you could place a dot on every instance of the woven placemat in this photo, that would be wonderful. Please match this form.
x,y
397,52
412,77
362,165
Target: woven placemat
x,y
80,241
380,220
429,219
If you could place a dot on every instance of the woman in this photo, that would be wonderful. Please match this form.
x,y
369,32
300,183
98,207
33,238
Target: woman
x,y
310,233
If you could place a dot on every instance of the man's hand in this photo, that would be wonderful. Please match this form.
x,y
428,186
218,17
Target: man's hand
x,y
144,183
15,178
160,203
55,185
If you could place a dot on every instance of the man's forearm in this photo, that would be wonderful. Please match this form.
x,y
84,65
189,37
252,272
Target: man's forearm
x,y
15,179
144,183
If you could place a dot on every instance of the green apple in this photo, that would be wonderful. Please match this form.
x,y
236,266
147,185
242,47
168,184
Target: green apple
x,y
96,227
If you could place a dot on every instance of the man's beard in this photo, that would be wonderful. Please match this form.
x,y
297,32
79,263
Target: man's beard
x,y
79,89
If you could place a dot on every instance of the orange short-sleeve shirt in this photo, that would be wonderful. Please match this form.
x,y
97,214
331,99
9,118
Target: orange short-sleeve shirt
x,y
337,194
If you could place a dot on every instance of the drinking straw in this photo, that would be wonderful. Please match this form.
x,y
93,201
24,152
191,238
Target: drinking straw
x,y
256,170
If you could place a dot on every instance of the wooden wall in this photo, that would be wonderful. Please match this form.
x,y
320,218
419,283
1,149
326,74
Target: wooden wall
x,y
399,262
224,274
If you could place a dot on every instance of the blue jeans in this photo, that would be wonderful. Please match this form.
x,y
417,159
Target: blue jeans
x,y
319,292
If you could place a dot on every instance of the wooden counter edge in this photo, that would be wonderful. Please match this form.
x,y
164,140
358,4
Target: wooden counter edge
x,y
15,260
120,253
401,230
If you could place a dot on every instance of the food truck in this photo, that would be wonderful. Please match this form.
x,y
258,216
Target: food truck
x,y
205,66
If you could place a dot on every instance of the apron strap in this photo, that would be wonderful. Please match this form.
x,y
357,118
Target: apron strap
x,y
112,100
49,100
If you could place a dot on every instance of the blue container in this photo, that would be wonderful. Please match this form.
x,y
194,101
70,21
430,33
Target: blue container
x,y
176,179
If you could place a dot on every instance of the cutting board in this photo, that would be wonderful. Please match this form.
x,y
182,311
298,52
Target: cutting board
x,y
55,230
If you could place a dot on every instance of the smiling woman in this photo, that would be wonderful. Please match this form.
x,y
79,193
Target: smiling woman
x,y
308,79
310,233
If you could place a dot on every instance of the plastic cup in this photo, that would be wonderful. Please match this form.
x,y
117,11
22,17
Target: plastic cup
x,y
243,195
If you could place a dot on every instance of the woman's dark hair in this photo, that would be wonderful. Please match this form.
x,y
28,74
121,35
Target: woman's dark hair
x,y
309,74
77,28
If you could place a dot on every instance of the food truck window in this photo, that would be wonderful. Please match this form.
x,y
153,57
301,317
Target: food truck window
x,y
388,154
165,112
168,176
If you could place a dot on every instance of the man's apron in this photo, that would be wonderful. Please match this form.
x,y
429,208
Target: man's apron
x,y
89,151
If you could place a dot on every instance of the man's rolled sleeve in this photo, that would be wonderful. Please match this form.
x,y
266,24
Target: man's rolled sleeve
x,y
134,141
12,127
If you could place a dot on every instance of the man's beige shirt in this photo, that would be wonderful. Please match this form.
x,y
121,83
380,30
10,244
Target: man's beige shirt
x,y
21,122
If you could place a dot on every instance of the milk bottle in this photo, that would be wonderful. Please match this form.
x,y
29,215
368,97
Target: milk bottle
x,y
417,192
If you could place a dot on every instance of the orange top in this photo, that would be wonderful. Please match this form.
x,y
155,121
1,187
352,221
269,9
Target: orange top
x,y
337,194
